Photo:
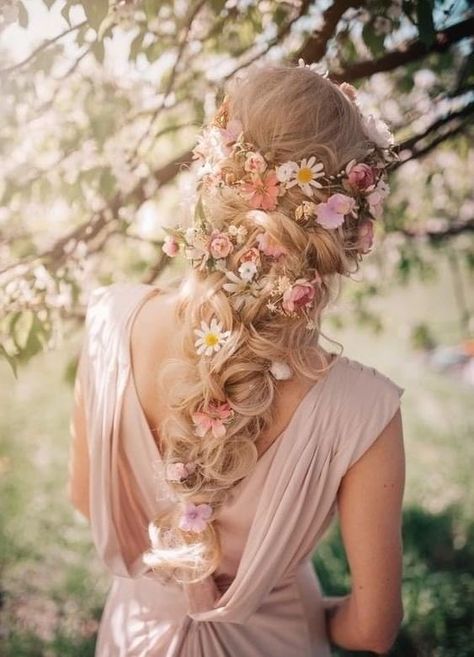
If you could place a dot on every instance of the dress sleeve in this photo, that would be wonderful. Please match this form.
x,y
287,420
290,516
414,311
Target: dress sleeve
x,y
370,400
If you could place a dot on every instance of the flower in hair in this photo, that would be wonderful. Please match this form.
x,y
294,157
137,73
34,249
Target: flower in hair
x,y
211,337
170,246
269,246
377,131
247,270
316,67
281,370
180,471
299,295
262,190
349,90
195,517
376,198
254,163
306,175
361,176
365,236
220,245
213,417
239,232
331,213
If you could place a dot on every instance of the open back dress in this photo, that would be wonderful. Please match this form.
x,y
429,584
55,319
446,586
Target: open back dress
x,y
269,602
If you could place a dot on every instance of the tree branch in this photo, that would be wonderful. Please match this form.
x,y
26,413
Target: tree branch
x,y
466,111
315,48
436,235
282,33
40,48
406,53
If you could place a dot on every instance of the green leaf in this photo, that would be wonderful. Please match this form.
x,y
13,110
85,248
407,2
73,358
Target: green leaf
x,y
96,11
20,328
374,42
426,28
65,12
99,51
10,360
22,15
136,45
152,8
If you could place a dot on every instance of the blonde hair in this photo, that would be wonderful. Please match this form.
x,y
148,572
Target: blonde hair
x,y
294,113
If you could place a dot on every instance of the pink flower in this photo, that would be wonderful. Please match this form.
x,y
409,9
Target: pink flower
x,y
366,236
179,471
262,190
331,214
254,163
219,244
170,246
270,246
361,176
252,255
195,517
376,198
299,295
213,418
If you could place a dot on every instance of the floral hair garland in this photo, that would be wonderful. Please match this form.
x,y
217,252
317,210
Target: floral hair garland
x,y
359,189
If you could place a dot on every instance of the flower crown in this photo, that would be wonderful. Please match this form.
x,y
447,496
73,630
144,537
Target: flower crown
x,y
229,162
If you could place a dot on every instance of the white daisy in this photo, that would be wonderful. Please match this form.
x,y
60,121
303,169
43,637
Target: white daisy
x,y
306,175
211,337
247,270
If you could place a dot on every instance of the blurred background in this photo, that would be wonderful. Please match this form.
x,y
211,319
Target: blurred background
x,y
101,104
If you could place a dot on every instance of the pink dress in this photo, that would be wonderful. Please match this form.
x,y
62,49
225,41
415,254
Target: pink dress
x,y
269,601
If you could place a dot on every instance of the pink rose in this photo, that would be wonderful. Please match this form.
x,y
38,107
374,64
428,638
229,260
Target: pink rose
x,y
361,176
252,255
170,246
254,163
365,236
220,245
299,295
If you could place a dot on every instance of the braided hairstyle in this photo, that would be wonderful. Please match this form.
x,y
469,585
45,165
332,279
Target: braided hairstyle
x,y
290,113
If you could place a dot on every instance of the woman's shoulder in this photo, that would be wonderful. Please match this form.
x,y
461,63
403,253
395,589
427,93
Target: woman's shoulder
x,y
111,302
364,401
362,377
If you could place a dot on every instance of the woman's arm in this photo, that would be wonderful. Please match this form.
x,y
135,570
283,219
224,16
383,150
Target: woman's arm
x,y
78,487
370,501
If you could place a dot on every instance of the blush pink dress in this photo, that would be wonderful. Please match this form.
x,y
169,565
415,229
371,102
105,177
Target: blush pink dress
x,y
264,600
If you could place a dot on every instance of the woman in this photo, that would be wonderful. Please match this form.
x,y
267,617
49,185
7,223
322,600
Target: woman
x,y
214,437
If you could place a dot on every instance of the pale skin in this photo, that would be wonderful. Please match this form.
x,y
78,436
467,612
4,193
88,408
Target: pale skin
x,y
369,498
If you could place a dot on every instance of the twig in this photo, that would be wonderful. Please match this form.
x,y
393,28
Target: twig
x,y
405,53
42,47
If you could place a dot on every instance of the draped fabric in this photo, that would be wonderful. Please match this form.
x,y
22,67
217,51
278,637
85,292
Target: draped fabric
x,y
265,598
